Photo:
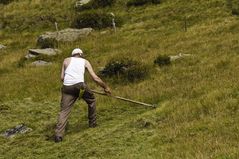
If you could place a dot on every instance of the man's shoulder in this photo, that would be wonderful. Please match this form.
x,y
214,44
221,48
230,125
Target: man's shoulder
x,y
87,63
67,59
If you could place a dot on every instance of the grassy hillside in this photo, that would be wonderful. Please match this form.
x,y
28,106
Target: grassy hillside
x,y
197,97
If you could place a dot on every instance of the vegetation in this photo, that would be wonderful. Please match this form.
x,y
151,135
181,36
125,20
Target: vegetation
x,y
162,60
94,19
38,15
5,1
47,43
21,62
197,102
125,70
141,2
234,5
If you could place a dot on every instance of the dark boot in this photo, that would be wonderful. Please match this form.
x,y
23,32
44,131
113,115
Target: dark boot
x,y
58,139
92,124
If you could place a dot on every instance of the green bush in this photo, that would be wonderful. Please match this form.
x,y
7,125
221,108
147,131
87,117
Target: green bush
x,y
125,69
234,6
94,4
95,19
141,2
5,1
162,60
137,72
156,1
3,71
47,43
21,63
235,11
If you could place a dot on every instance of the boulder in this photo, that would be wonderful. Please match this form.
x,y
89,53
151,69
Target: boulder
x,y
19,129
29,56
48,51
179,56
40,63
2,46
104,32
1,25
66,35
36,52
82,2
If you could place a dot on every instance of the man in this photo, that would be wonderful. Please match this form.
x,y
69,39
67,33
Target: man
x,y
72,75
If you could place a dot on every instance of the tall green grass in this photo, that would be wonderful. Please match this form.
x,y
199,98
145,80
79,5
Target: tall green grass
x,y
197,97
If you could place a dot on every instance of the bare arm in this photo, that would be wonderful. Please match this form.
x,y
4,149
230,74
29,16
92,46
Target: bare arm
x,y
64,65
62,72
96,78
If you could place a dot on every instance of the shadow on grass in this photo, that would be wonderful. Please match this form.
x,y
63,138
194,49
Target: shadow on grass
x,y
49,130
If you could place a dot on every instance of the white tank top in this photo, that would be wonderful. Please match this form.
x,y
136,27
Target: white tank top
x,y
74,73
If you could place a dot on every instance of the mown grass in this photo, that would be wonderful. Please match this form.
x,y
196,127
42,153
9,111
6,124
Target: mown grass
x,y
197,97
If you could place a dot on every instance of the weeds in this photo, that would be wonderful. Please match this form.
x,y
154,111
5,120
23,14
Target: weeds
x,y
162,60
21,63
5,1
95,19
3,71
234,6
141,2
125,70
127,131
47,43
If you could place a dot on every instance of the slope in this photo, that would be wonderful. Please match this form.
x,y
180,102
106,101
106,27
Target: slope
x,y
197,97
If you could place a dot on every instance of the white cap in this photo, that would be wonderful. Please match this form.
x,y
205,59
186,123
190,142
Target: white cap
x,y
77,51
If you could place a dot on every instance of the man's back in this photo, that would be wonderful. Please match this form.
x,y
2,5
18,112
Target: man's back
x,y
74,71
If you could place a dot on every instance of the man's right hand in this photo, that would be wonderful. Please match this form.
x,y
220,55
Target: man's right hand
x,y
107,91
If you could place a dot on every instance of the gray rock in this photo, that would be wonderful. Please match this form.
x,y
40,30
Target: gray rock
x,y
40,63
104,32
179,56
2,46
19,129
66,35
29,56
48,51
82,2
36,52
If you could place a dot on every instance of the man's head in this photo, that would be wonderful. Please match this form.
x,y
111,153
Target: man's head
x,y
77,52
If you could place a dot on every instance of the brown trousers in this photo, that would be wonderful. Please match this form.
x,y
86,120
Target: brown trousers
x,y
69,96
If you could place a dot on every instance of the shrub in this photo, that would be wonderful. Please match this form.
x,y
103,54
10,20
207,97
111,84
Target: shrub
x,y
94,4
125,69
235,11
156,1
137,72
141,2
234,6
115,67
136,2
21,62
3,71
94,19
162,60
104,3
47,43
5,1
